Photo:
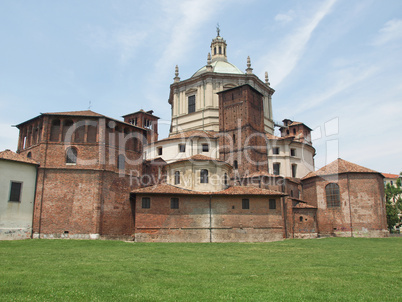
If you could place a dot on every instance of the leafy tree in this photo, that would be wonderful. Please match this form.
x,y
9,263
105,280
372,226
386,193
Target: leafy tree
x,y
392,215
394,202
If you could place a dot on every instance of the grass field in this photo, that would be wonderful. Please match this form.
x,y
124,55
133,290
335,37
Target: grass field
x,y
333,269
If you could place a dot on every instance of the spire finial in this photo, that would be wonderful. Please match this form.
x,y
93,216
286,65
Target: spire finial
x,y
249,69
176,73
218,30
266,79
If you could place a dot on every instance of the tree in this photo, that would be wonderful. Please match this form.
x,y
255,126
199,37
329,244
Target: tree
x,y
393,202
392,215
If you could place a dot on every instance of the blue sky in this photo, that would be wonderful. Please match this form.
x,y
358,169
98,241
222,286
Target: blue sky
x,y
336,65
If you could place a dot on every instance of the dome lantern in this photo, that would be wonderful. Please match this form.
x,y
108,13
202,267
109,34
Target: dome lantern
x,y
218,47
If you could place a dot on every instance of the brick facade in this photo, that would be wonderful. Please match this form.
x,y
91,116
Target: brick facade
x,y
361,211
207,218
85,198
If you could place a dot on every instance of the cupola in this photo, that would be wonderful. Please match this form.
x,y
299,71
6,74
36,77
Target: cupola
x,y
218,47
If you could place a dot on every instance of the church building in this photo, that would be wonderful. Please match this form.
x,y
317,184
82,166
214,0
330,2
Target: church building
x,y
220,176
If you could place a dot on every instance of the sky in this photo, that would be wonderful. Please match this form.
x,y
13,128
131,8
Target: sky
x,y
335,65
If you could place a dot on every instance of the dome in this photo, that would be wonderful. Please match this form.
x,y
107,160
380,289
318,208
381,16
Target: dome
x,y
220,67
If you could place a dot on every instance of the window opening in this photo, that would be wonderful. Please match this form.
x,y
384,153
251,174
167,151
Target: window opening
x,y
146,202
15,191
174,203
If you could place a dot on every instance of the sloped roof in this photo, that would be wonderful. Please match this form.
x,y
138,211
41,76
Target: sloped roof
x,y
262,173
294,123
339,166
12,156
238,190
83,113
303,206
76,113
198,157
241,190
192,133
387,175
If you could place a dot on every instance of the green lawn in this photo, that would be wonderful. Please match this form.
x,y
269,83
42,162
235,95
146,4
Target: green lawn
x,y
333,269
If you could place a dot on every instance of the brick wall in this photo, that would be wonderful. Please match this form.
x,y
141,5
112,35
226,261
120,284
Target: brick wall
x,y
204,219
361,211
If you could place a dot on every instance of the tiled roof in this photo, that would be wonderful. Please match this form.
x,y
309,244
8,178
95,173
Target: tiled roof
x,y
10,155
271,136
192,133
76,113
297,199
298,123
262,173
387,175
149,112
241,190
199,157
83,113
303,206
238,190
165,189
339,166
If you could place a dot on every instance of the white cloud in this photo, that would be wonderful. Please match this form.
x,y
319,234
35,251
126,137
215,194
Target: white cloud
x,y
187,17
392,30
281,62
340,81
285,18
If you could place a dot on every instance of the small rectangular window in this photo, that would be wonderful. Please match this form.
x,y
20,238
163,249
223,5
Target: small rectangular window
x,y
272,204
182,148
275,150
205,147
146,203
294,170
159,150
245,204
191,103
292,152
177,177
15,191
174,203
277,168
204,176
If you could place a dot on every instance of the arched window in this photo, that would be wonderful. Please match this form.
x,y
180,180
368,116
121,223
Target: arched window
x,y
121,160
71,155
214,50
177,177
225,179
29,155
333,197
220,50
234,138
55,131
204,176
